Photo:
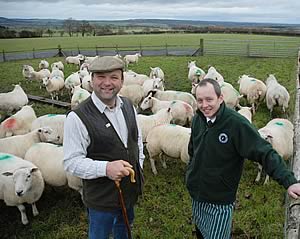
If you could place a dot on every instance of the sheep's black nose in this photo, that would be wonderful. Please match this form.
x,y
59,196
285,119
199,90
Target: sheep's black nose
x,y
20,193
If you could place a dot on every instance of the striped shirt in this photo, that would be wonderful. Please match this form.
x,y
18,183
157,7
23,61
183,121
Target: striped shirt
x,y
212,220
77,140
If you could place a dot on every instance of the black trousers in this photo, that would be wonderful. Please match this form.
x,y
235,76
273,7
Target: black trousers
x,y
198,233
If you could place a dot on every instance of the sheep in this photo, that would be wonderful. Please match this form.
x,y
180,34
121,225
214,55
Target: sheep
x,y
195,74
182,112
132,58
71,81
212,73
86,83
54,85
156,72
43,64
254,89
20,182
19,144
54,121
274,132
147,122
134,93
58,65
13,100
79,95
76,60
230,95
31,75
276,95
132,78
175,95
56,72
19,123
152,84
246,112
171,140
49,159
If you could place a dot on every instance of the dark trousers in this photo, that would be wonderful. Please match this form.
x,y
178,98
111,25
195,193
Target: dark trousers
x,y
198,233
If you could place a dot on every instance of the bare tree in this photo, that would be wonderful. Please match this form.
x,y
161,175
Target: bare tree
x,y
70,26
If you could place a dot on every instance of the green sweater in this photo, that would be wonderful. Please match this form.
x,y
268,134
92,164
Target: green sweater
x,y
217,156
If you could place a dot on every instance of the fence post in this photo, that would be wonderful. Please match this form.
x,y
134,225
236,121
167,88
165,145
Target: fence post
x,y
141,50
167,49
248,50
3,53
78,49
201,47
117,49
97,51
33,53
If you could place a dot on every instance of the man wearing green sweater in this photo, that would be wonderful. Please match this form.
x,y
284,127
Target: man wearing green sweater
x,y
220,141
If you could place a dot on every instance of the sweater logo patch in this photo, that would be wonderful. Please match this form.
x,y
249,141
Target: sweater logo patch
x,y
223,138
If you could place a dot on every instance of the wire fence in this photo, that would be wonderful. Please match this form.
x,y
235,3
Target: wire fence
x,y
247,48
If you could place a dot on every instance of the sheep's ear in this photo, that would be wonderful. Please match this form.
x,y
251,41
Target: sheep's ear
x,y
169,109
7,174
34,170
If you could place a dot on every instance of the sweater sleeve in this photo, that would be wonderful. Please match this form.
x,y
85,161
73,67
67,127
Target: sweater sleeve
x,y
252,146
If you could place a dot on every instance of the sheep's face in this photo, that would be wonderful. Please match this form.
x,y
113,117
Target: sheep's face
x,y
191,63
146,103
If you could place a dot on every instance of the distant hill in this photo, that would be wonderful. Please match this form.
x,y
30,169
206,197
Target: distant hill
x,y
166,23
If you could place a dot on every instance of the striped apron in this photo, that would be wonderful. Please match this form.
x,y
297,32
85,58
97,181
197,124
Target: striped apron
x,y
213,220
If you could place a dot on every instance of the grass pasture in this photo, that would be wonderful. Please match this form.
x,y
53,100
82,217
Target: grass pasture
x,y
164,212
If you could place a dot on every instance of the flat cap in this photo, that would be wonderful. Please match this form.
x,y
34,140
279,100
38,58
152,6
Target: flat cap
x,y
106,64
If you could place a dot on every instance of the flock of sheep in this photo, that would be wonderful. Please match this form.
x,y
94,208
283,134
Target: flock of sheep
x,y
31,151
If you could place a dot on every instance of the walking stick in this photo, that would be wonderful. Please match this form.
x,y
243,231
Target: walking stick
x,y
121,199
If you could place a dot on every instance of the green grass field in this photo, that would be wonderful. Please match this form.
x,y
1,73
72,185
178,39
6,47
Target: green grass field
x,y
9,45
164,212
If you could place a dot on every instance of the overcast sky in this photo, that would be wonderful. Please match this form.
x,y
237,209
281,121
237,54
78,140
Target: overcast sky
x,y
269,11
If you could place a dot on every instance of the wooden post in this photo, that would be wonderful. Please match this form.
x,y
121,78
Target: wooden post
x,y
141,50
33,53
248,50
78,49
97,53
117,49
167,49
3,53
201,53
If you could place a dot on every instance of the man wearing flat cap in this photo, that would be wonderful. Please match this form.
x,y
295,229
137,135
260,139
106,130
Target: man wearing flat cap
x,y
102,144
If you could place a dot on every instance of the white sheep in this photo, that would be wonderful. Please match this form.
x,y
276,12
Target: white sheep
x,y
132,78
49,159
175,95
58,65
254,89
156,72
134,93
20,182
147,122
71,81
54,86
132,58
212,73
54,121
56,72
153,84
13,100
30,74
87,83
230,95
170,140
246,112
276,94
19,123
19,144
274,132
76,60
182,112
195,74
89,59
79,95
43,64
